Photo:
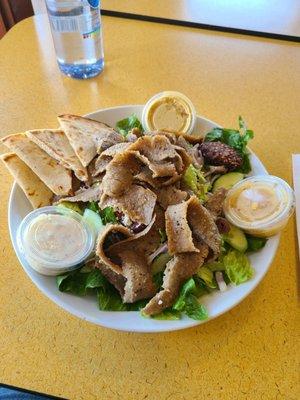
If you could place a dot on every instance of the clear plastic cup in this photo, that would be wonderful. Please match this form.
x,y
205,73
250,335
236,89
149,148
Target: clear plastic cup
x,y
171,111
55,240
260,205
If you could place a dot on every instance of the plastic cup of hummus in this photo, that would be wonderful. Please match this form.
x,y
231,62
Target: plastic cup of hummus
x,y
260,205
170,111
55,240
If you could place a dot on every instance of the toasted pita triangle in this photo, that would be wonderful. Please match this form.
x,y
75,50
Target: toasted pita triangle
x,y
54,175
87,137
35,190
56,144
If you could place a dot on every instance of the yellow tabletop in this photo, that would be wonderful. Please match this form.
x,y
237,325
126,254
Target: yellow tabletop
x,y
273,16
248,353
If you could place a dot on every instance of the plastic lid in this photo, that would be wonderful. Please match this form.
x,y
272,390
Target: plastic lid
x,y
259,202
171,111
55,240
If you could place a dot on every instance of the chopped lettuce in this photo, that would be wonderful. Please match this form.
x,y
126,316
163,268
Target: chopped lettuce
x,y
158,279
85,280
109,298
127,124
237,267
168,314
72,206
195,180
93,205
238,139
194,309
207,276
160,263
163,235
255,243
78,282
108,215
188,303
201,287
188,288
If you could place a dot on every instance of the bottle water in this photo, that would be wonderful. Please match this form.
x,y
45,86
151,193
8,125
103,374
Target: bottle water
x,y
77,36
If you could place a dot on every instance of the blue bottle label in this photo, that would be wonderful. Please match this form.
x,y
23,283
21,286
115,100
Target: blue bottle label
x,y
94,3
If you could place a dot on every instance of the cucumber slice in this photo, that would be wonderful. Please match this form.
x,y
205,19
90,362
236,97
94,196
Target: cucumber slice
x,y
160,262
227,181
236,238
94,220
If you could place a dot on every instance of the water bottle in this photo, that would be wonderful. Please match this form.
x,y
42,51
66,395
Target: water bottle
x,y
77,36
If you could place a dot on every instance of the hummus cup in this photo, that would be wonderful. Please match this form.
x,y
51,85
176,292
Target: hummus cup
x,y
170,111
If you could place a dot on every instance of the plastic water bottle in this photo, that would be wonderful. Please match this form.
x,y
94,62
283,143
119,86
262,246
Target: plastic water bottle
x,y
77,36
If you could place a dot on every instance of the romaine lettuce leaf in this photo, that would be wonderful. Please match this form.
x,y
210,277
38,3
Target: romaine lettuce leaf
x,y
188,303
237,267
72,206
85,280
107,215
93,205
206,274
188,287
238,139
168,314
194,309
158,279
163,235
109,298
195,180
127,124
78,283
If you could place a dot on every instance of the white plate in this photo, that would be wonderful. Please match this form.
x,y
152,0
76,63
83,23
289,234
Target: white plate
x,y
86,307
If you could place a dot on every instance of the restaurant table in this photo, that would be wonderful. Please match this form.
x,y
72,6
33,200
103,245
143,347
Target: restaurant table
x,y
248,353
273,16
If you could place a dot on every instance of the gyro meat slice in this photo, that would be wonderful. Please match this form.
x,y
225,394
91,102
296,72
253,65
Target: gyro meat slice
x,y
106,156
120,173
178,270
170,195
215,202
84,195
189,220
137,204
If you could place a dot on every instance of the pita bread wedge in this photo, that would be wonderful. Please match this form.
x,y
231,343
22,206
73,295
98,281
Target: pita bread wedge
x,y
56,144
35,190
87,137
54,175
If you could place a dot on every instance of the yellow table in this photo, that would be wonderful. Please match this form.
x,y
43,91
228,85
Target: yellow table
x,y
250,352
273,16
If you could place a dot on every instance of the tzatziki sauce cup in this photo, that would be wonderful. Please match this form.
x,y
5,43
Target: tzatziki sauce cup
x,y
55,240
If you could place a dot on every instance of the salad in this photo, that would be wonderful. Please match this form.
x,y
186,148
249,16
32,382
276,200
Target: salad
x,y
145,216
206,178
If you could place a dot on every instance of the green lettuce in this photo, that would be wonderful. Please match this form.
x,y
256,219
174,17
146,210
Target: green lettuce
x,y
206,274
237,267
86,280
163,235
79,282
255,243
194,309
93,205
238,139
195,180
188,303
127,124
72,206
108,215
168,314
